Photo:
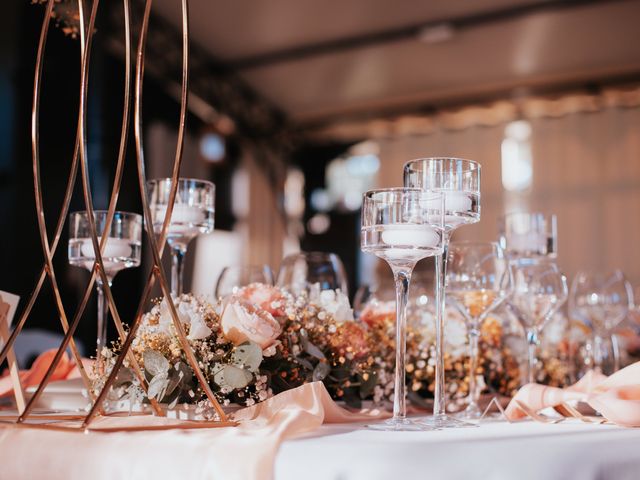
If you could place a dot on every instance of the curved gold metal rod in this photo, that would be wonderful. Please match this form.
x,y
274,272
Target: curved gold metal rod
x,y
85,55
112,205
157,251
35,152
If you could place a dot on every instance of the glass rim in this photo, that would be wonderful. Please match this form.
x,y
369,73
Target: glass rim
x,y
180,180
422,191
470,165
121,213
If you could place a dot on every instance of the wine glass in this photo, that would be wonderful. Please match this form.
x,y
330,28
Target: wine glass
x,y
539,290
122,250
459,180
478,281
402,226
234,277
300,272
193,214
601,301
529,235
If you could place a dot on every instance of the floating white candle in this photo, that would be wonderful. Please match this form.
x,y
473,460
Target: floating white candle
x,y
182,214
527,242
115,247
418,236
454,201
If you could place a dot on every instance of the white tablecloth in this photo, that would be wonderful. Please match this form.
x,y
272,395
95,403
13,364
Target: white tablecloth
x,y
493,451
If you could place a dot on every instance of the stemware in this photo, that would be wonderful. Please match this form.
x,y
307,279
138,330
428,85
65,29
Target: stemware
x,y
121,250
529,235
302,271
478,281
234,277
601,301
539,290
401,226
193,214
459,181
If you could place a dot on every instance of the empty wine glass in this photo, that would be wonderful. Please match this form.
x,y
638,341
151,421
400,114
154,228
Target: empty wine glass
x,y
234,277
478,281
539,290
302,271
193,214
122,250
459,180
402,226
601,301
529,235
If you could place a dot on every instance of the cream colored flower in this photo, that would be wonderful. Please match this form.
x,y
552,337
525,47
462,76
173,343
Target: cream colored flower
x,y
242,321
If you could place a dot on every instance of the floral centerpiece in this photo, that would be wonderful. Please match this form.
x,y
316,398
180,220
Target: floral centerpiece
x,y
263,340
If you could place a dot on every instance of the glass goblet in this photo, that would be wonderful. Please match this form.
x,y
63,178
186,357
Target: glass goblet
x,y
121,250
193,214
459,181
478,281
300,272
602,301
401,226
234,277
529,235
539,290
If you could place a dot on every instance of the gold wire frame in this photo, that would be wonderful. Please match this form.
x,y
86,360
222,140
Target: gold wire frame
x,y
26,417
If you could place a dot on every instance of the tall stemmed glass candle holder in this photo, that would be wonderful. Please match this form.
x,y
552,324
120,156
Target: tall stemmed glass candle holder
x,y
529,236
478,281
459,182
121,250
402,226
193,214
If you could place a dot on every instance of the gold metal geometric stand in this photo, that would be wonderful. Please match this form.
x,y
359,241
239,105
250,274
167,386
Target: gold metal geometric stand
x,y
26,417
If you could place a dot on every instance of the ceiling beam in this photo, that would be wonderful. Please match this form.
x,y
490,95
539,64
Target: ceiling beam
x,y
406,32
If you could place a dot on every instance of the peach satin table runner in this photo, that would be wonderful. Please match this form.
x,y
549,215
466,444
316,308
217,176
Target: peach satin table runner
x,y
243,452
616,397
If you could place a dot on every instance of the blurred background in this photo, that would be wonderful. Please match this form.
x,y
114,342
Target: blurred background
x,y
297,107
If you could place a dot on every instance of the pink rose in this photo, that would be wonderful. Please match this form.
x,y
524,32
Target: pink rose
x,y
243,321
266,297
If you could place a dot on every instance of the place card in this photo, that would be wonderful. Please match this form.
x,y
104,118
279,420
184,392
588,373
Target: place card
x,y
8,307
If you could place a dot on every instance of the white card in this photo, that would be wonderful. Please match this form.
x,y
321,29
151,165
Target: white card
x,y
12,300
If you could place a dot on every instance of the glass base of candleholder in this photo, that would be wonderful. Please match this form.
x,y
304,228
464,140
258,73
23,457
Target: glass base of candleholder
x,y
443,421
400,425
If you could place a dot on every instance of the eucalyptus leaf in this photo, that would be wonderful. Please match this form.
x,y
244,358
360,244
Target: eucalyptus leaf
x,y
311,349
217,372
158,386
248,355
155,363
236,377
321,371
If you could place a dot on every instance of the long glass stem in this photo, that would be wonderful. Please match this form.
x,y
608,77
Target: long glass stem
x,y
402,277
615,347
532,344
103,316
474,335
598,344
439,406
177,269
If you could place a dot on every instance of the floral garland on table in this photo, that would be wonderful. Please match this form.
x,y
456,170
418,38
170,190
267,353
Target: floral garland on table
x,y
263,340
